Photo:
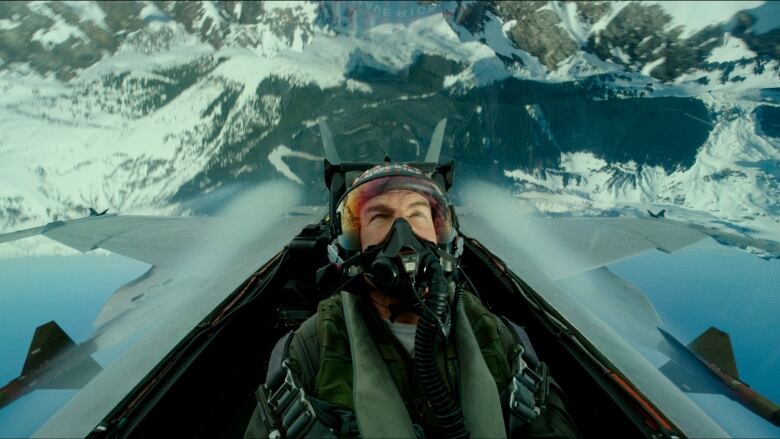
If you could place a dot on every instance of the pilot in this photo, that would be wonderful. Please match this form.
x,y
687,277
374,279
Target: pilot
x,y
404,350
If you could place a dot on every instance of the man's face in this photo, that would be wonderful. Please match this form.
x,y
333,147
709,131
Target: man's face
x,y
379,213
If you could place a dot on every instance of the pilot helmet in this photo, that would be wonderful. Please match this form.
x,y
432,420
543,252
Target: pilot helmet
x,y
392,177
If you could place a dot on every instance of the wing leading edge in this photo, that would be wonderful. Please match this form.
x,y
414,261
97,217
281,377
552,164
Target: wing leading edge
x,y
155,240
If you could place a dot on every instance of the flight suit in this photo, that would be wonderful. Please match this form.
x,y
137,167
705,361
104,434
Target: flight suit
x,y
345,356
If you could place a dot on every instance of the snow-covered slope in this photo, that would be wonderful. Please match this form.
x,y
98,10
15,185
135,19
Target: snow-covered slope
x,y
733,184
127,132
130,105
662,40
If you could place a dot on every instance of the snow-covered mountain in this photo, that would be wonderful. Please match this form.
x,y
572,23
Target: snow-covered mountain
x,y
663,40
140,107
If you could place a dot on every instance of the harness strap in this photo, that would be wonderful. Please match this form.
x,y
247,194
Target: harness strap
x,y
281,351
481,402
286,410
376,399
521,338
530,381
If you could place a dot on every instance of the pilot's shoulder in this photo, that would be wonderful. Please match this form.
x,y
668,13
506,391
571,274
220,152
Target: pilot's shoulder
x,y
475,309
307,330
308,333
305,350
331,308
483,322
333,299
308,336
471,298
486,325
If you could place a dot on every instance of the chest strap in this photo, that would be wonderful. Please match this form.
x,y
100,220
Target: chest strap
x,y
287,411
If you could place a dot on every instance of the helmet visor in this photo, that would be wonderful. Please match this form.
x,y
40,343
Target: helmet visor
x,y
353,202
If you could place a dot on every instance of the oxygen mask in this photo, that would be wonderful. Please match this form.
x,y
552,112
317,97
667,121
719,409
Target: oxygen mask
x,y
401,263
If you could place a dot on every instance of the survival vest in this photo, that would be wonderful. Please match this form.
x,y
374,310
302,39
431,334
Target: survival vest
x,y
334,380
380,397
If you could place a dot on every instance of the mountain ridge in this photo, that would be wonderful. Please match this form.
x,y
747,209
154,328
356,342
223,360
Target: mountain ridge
x,y
197,95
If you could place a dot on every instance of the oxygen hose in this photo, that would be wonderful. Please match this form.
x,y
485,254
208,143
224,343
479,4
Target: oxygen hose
x,y
426,343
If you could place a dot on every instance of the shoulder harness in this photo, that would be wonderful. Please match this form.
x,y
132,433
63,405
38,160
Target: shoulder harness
x,y
285,408
288,411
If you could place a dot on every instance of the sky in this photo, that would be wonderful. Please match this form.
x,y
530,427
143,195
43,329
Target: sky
x,y
708,284
34,290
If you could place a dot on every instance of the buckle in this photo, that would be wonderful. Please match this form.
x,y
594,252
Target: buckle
x,y
298,419
285,394
531,379
522,401
525,385
267,414
290,406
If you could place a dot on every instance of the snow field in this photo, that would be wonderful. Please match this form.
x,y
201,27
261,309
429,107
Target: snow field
x,y
62,151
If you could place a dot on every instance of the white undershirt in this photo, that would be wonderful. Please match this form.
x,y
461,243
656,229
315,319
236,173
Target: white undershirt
x,y
404,332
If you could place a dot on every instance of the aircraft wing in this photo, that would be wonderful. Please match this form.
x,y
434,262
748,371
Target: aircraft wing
x,y
155,240
564,261
562,247
196,263
577,245
178,293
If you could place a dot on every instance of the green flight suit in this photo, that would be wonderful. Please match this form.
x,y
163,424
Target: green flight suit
x,y
384,392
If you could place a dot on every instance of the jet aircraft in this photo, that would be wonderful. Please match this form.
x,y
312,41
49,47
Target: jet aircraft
x,y
658,215
202,328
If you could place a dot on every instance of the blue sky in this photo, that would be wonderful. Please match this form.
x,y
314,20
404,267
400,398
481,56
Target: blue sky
x,y
708,284
35,290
